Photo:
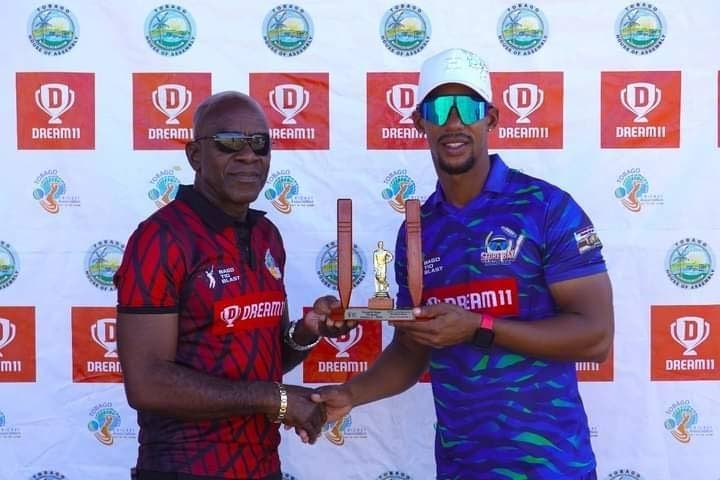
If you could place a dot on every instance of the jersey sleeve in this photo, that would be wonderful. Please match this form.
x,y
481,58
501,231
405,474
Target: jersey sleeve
x,y
403,295
150,276
572,246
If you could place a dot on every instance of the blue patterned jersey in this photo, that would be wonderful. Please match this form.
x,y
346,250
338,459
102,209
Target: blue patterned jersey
x,y
504,415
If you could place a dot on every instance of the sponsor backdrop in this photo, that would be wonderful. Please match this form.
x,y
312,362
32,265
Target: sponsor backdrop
x,y
616,102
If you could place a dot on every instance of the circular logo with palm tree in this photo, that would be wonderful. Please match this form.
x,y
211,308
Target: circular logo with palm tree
x,y
640,28
170,30
52,29
9,265
288,30
522,29
690,263
405,29
102,261
326,265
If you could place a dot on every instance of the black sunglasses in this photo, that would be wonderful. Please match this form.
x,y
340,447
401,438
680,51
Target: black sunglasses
x,y
233,142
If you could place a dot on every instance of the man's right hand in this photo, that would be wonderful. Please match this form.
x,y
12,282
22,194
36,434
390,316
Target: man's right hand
x,y
303,413
337,400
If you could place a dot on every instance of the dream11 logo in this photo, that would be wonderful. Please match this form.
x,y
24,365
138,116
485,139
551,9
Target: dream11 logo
x,y
391,100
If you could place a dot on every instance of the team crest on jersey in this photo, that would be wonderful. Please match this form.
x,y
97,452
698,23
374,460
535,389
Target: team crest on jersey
x,y
53,29
405,29
272,265
288,30
501,248
170,30
48,475
586,239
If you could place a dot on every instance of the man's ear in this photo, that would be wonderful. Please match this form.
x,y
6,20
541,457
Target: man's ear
x,y
493,116
418,121
192,152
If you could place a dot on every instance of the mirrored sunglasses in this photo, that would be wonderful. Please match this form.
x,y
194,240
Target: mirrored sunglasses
x,y
470,109
232,142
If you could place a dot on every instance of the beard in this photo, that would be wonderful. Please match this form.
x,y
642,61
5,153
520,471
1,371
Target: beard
x,y
458,169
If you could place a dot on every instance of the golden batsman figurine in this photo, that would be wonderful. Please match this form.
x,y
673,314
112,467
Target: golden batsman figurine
x,y
381,300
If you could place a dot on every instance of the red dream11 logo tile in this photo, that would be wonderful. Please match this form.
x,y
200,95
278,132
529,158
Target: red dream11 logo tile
x,y
531,110
391,100
94,345
336,360
685,342
55,111
297,107
597,371
163,108
640,109
17,344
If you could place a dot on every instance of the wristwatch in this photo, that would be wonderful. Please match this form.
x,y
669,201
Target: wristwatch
x,y
484,336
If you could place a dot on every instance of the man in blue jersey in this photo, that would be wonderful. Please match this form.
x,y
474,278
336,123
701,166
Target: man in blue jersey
x,y
515,291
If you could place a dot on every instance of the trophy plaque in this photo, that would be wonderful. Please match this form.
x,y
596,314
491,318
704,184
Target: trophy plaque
x,y
381,305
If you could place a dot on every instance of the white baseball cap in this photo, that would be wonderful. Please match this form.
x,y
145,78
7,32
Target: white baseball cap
x,y
455,65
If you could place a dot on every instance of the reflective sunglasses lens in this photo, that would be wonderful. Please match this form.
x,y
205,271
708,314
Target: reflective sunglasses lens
x,y
470,109
259,143
437,110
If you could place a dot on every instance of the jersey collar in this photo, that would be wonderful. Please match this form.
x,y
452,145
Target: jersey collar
x,y
217,219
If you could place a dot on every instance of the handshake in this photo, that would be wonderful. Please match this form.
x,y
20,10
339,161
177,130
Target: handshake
x,y
309,409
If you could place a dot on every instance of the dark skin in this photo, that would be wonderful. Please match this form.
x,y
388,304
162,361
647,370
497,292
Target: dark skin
x,y
147,344
582,330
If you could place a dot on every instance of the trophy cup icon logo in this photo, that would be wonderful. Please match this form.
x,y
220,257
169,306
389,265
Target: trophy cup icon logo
x,y
104,333
640,98
523,99
54,99
229,315
7,333
690,332
401,99
289,100
343,343
172,99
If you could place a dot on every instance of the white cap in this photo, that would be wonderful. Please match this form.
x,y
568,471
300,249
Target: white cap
x,y
455,65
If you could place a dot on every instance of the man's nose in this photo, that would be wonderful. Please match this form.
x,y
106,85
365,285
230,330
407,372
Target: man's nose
x,y
453,120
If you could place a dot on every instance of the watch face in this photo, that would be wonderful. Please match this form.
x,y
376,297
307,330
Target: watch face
x,y
483,338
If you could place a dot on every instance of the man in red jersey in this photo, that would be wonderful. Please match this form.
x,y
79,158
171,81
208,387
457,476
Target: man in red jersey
x,y
203,330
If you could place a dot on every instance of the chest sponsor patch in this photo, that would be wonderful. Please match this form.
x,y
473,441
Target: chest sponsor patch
x,y
497,297
247,312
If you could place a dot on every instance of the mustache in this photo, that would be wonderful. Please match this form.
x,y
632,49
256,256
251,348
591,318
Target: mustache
x,y
449,137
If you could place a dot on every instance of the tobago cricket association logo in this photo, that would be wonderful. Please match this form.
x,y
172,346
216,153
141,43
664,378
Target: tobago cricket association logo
x,y
405,29
326,265
391,100
17,344
297,107
337,432
283,192
48,475
106,424
399,188
640,28
170,30
55,111
640,109
53,29
102,261
685,342
522,29
288,30
624,474
531,110
7,431
51,192
633,191
9,265
690,263
163,107
164,186
94,345
682,422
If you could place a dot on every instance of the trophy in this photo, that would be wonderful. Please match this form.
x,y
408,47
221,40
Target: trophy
x,y
381,305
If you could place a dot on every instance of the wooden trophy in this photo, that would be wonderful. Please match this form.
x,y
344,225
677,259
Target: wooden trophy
x,y
381,305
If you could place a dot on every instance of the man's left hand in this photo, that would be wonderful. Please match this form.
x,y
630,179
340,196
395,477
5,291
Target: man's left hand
x,y
319,322
440,325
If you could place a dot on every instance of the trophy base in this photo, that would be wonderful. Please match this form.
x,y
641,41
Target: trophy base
x,y
358,314
381,303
